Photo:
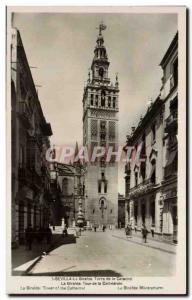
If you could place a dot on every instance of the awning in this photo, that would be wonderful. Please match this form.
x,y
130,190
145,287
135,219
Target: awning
x,y
171,158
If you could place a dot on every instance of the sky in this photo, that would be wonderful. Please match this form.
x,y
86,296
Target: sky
x,y
61,45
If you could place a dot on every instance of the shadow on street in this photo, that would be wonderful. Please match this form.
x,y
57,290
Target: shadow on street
x,y
23,258
89,273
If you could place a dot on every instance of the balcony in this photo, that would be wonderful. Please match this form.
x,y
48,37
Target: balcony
x,y
25,115
171,123
142,188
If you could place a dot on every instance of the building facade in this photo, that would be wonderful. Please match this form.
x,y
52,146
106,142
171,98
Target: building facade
x,y
169,95
29,141
151,180
100,128
67,191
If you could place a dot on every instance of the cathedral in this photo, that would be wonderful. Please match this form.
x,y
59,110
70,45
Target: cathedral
x,y
100,128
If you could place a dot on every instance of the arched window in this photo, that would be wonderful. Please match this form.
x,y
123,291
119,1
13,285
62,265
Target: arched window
x,y
103,99
114,102
109,101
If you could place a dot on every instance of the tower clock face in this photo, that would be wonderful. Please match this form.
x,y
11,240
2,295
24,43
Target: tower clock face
x,y
101,72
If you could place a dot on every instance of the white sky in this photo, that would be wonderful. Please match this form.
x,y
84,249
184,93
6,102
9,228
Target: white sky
x,y
61,47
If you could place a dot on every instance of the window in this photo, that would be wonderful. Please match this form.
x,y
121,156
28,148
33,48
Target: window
x,y
103,99
111,130
153,132
175,72
101,71
105,187
143,170
99,187
102,136
96,100
93,129
91,99
136,178
109,101
114,102
103,125
153,172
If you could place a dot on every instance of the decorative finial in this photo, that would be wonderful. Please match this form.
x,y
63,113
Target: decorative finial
x,y
101,27
117,82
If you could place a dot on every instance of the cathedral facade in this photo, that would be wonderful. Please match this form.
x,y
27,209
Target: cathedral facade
x,y
100,128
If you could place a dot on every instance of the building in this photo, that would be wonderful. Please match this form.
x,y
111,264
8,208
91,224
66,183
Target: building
x,y
100,128
121,211
67,191
151,184
29,141
169,95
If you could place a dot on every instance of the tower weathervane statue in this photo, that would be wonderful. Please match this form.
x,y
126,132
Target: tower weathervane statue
x,y
101,27
100,128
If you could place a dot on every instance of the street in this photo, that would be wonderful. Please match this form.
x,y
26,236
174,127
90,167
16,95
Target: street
x,y
105,254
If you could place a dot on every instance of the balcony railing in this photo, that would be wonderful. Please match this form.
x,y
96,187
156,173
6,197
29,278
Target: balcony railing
x,y
142,188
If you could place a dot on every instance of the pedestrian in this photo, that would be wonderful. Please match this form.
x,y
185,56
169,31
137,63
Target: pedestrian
x,y
144,233
104,228
152,232
29,237
48,235
95,228
130,230
65,233
127,230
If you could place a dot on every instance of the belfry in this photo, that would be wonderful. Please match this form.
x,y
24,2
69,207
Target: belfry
x,y
100,128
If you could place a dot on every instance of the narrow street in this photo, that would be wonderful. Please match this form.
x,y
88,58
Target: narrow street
x,y
104,254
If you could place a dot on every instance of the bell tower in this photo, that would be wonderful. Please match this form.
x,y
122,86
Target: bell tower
x,y
100,128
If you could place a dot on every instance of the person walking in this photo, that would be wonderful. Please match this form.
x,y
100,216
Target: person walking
x,y
65,233
144,233
130,230
104,227
29,237
127,230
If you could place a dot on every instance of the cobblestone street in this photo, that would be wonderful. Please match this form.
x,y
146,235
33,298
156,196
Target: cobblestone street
x,y
107,254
